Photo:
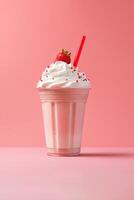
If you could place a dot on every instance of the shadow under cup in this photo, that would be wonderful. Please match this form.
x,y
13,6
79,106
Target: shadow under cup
x,y
63,115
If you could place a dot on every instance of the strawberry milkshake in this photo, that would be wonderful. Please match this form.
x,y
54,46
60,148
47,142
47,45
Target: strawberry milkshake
x,y
63,91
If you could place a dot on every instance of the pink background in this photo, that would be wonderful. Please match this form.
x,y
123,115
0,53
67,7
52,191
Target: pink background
x,y
31,34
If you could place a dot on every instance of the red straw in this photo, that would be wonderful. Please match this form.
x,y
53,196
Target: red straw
x,y
76,60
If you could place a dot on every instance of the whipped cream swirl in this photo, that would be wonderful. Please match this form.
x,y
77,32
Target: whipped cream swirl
x,y
63,75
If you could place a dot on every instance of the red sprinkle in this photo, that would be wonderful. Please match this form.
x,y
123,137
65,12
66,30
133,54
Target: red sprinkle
x,y
77,81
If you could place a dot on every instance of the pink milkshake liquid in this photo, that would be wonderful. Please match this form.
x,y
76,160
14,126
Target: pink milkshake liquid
x,y
63,115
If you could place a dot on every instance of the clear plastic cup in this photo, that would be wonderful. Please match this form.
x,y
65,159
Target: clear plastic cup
x,y
63,115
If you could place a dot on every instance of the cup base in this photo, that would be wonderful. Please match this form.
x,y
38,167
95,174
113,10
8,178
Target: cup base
x,y
63,152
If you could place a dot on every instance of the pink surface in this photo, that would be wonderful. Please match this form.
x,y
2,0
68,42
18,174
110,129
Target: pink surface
x,y
99,174
31,34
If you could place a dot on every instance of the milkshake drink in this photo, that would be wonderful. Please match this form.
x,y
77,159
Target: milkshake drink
x,y
63,92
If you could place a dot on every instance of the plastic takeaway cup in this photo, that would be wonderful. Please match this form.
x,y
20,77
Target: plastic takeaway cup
x,y
63,115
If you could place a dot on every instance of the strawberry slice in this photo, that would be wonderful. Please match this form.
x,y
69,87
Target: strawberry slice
x,y
64,56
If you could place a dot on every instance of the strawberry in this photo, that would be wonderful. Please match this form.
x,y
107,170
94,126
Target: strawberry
x,y
64,56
